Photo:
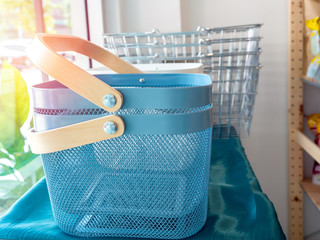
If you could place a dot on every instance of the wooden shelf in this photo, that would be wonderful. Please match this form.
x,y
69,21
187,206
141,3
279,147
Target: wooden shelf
x,y
310,81
309,146
313,191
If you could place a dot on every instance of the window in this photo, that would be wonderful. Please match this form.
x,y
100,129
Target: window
x,y
19,22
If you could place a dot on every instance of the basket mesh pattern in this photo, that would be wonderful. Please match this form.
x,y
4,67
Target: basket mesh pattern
x,y
100,111
150,186
229,55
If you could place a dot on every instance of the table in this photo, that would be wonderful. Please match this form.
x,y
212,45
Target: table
x,y
238,209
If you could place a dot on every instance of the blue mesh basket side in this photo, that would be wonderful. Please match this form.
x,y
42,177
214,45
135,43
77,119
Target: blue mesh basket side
x,y
151,186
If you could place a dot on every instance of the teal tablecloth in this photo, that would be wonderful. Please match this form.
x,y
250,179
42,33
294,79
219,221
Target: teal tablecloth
x,y
238,209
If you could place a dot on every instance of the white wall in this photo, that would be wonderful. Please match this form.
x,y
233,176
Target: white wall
x,y
142,15
266,147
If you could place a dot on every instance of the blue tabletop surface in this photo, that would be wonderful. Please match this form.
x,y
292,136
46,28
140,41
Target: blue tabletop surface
x,y
238,209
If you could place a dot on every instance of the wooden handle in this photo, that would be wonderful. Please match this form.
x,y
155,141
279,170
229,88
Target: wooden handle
x,y
43,53
74,135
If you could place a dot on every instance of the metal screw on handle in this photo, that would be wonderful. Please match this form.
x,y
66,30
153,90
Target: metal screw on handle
x,y
110,128
109,100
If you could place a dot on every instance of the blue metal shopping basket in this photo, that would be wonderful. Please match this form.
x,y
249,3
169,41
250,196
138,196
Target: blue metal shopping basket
x,y
141,171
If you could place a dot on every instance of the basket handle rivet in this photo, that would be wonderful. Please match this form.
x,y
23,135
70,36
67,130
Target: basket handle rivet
x,y
109,100
142,80
110,128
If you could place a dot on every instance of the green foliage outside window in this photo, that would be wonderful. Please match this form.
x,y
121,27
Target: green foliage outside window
x,y
14,111
19,167
14,151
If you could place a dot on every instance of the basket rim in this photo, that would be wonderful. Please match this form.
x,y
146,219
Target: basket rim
x,y
200,30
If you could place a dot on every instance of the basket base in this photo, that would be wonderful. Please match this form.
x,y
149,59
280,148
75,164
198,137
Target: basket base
x,y
113,225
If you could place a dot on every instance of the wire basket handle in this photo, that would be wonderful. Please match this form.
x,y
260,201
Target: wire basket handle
x,y
43,53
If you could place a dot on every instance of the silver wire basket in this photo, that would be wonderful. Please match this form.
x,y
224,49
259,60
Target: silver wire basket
x,y
230,55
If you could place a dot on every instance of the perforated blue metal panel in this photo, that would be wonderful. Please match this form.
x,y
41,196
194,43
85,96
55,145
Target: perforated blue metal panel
x,y
135,186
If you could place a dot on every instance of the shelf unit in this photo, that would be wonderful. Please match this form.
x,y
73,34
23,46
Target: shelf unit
x,y
298,140
313,191
306,144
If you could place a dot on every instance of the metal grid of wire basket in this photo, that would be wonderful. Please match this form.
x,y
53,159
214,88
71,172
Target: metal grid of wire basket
x,y
230,55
